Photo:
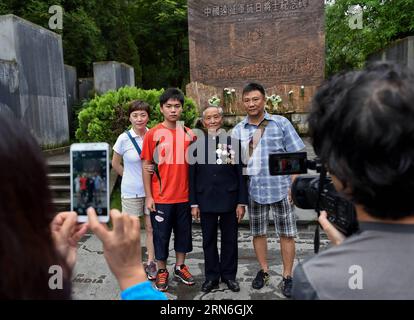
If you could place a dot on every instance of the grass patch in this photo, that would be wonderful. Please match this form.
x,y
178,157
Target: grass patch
x,y
116,197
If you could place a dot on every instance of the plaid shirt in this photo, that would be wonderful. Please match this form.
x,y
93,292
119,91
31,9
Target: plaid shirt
x,y
279,136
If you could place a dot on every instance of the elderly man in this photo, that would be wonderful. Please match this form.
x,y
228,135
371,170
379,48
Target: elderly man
x,y
218,195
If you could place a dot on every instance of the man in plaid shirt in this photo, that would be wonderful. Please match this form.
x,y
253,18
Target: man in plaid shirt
x,y
262,134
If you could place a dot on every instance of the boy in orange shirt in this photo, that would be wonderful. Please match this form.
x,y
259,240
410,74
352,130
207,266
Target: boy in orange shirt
x,y
167,193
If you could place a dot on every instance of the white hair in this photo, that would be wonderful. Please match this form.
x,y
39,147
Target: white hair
x,y
220,110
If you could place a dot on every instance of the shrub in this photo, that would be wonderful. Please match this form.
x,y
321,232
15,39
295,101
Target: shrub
x,y
105,117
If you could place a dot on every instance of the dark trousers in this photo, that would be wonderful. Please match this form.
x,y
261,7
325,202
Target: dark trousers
x,y
225,266
167,218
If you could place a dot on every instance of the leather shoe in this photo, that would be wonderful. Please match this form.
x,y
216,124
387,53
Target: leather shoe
x,y
209,285
233,285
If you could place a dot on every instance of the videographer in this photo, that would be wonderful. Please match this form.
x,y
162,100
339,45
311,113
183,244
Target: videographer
x,y
362,127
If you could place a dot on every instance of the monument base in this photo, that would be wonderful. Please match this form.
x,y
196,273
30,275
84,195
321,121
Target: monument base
x,y
294,105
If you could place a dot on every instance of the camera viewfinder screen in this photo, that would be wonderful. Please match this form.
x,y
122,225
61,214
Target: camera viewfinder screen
x,y
89,181
287,163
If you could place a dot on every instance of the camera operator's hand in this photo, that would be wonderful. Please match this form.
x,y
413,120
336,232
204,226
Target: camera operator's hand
x,y
334,235
66,233
122,247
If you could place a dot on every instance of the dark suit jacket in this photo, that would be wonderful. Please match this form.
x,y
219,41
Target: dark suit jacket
x,y
217,187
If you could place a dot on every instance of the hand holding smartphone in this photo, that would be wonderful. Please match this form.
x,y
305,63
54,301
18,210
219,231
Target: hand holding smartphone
x,y
89,177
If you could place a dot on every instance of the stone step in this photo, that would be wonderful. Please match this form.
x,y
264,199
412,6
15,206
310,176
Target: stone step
x,y
61,178
58,166
62,204
60,191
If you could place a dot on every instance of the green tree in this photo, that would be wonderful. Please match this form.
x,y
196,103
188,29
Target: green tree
x,y
149,35
105,117
82,41
160,31
383,22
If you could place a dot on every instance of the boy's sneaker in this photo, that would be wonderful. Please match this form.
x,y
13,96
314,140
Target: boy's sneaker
x,y
184,275
151,270
161,281
286,286
262,279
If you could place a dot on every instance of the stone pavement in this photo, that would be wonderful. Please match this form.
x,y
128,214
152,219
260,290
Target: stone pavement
x,y
93,281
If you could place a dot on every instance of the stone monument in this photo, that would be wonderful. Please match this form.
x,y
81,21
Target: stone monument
x,y
278,43
112,75
71,82
86,88
33,66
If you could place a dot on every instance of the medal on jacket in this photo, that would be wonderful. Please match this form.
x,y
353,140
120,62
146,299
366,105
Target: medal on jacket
x,y
225,154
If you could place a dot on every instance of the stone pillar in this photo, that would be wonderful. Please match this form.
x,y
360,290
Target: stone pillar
x,y
71,91
112,75
40,100
85,88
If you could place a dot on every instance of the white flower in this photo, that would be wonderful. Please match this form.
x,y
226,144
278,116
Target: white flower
x,y
302,87
233,90
290,92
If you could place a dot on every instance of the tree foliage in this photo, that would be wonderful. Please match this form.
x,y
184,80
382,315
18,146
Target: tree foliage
x,y
161,33
149,35
383,22
105,117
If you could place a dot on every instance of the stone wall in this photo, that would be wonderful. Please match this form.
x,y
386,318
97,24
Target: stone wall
x,y
40,99
401,51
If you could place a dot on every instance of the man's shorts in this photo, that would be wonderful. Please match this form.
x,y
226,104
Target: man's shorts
x,y
134,206
285,221
167,218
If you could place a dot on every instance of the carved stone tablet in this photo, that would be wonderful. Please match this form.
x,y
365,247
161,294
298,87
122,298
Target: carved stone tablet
x,y
278,42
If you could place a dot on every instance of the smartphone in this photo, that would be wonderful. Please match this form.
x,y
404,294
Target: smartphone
x,y
89,179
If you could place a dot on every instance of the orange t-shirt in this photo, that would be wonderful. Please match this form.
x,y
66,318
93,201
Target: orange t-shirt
x,y
168,148
82,182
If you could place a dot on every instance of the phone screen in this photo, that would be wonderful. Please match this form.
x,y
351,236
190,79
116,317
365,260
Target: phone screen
x,y
90,181
287,163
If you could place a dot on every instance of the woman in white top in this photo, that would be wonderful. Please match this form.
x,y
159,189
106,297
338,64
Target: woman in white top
x,y
132,187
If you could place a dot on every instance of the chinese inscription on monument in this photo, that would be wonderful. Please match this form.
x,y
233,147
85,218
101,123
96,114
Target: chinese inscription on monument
x,y
274,42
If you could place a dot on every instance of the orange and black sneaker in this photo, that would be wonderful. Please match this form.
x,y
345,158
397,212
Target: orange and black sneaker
x,y
184,275
161,281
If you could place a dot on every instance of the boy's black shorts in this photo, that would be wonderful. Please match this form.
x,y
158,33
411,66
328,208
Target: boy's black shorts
x,y
168,217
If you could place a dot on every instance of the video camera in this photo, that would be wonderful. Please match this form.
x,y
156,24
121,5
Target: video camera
x,y
315,191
